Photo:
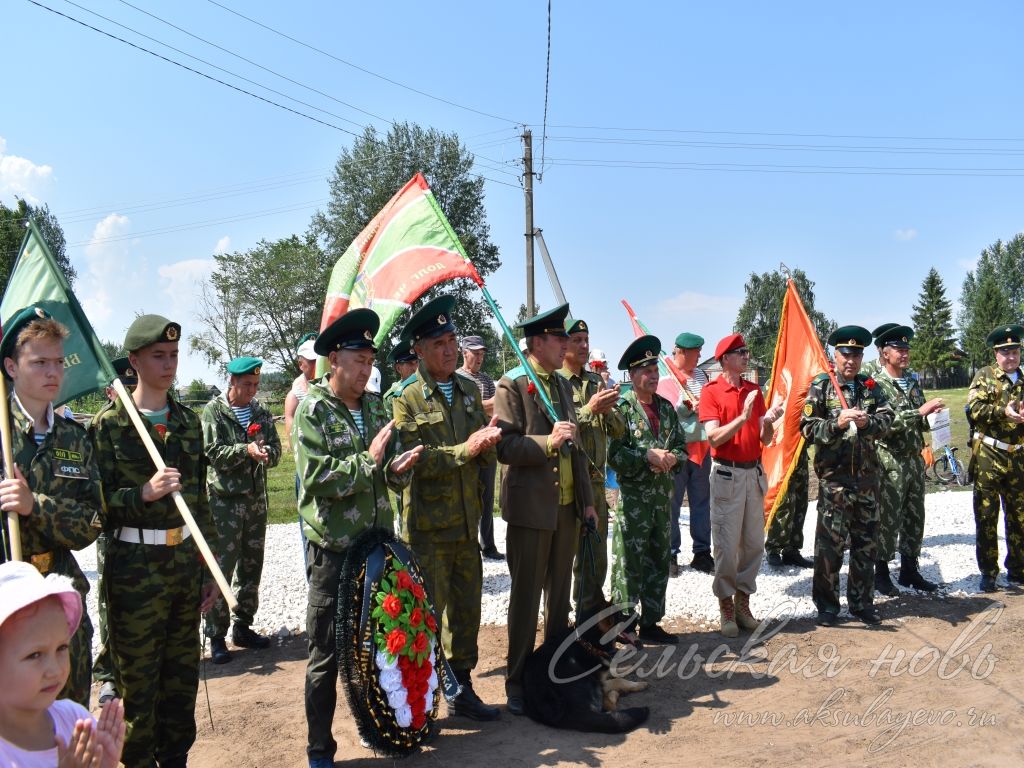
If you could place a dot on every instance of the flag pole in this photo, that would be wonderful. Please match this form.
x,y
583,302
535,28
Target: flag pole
x,y
13,523
179,500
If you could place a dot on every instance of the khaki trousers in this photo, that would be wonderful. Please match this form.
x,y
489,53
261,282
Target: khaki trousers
x,y
737,527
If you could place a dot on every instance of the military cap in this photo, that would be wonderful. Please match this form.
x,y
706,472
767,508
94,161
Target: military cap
x,y
850,337
150,329
474,342
243,366
401,353
311,336
13,327
728,344
551,322
897,336
353,330
689,341
572,325
883,328
433,319
643,351
1003,337
123,368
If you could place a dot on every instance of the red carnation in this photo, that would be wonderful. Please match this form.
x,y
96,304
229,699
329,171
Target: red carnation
x,y
254,429
392,606
431,622
404,580
419,645
869,383
419,720
418,593
405,664
531,388
396,641
161,429
416,618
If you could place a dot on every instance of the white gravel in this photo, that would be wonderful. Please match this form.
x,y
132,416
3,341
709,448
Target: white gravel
x,y
947,556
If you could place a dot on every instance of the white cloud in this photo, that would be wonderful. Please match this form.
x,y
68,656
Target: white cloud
x,y
104,260
222,245
21,177
182,279
904,235
969,265
693,303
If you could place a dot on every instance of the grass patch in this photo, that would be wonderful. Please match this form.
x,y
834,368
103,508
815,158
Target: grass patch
x,y
282,507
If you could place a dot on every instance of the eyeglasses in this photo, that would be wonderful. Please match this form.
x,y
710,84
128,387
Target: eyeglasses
x,y
742,351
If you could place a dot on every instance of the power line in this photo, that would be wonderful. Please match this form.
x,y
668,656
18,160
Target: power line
x,y
197,72
361,69
628,129
794,169
547,83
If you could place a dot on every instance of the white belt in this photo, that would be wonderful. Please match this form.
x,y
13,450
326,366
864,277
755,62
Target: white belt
x,y
154,536
997,443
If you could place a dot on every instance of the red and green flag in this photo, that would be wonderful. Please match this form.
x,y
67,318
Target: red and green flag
x,y
406,249
36,279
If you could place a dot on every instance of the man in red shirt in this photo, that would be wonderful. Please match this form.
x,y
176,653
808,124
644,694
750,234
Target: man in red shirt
x,y
738,425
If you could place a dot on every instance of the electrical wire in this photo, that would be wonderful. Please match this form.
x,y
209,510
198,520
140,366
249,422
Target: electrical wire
x,y
547,83
794,169
626,129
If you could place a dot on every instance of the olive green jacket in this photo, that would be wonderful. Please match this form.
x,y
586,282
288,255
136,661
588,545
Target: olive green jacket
x,y
905,436
593,429
231,470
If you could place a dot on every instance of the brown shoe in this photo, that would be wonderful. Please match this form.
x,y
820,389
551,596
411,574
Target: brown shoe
x,y
744,618
727,611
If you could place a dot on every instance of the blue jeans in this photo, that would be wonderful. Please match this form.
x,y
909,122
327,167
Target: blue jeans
x,y
694,481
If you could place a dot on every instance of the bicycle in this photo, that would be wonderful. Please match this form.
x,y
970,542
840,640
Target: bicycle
x,y
948,468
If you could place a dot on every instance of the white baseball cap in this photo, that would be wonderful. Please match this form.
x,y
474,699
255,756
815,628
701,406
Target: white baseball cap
x,y
21,585
596,355
306,350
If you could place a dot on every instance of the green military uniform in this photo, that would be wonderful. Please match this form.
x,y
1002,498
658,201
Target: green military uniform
x,y
849,476
237,488
786,533
641,540
342,492
400,353
153,573
593,431
998,462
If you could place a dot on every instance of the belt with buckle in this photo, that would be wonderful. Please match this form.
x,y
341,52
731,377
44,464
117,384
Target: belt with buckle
x,y
43,562
738,464
1010,447
154,536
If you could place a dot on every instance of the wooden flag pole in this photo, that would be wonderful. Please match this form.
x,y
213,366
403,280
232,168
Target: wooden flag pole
x,y
13,523
179,500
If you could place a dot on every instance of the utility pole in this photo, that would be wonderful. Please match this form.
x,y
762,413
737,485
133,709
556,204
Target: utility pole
x,y
528,193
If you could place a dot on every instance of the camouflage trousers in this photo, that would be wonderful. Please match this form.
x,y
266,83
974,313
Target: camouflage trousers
x,y
786,533
998,481
591,562
844,513
102,671
902,509
241,533
153,595
79,684
453,575
641,550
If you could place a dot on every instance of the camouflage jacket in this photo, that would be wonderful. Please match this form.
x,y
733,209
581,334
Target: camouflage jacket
x,y
593,429
904,437
230,470
445,492
987,398
627,455
839,457
65,482
125,466
341,490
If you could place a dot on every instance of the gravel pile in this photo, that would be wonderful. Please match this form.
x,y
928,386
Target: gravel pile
x,y
947,557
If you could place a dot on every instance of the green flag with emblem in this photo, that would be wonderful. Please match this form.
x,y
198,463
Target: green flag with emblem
x,y
37,280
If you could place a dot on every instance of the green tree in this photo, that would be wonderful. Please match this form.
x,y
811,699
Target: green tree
x,y
990,307
1005,262
12,231
933,328
366,176
758,316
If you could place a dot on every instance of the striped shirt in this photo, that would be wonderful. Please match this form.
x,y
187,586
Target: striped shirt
x,y
483,381
243,413
447,389
357,417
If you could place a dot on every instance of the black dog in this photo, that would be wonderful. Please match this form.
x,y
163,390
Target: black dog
x,y
587,702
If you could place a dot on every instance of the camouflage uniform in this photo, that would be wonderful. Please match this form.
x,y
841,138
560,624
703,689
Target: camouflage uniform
x,y
641,543
153,590
237,488
787,529
394,497
849,476
593,431
102,670
441,508
342,492
899,452
998,473
64,479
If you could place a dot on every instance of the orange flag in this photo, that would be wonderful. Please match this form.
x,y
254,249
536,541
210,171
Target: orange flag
x,y
798,359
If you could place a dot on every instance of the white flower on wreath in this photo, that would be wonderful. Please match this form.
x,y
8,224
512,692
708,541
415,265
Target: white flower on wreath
x,y
398,698
403,716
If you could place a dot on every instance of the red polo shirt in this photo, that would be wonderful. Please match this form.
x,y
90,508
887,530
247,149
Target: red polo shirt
x,y
722,402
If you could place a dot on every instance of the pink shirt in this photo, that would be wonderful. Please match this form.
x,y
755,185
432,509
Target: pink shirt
x,y
64,713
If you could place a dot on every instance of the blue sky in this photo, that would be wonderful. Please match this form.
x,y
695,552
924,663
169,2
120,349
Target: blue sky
x,y
862,143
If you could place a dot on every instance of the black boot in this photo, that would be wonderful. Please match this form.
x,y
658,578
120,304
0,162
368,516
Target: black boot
x,y
910,576
244,637
219,651
467,703
883,581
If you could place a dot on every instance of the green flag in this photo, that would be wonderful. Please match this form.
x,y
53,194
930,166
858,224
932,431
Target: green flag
x,y
36,279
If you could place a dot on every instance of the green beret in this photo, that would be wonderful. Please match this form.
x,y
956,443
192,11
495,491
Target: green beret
x,y
353,330
1003,337
402,353
15,325
689,341
897,336
123,368
150,329
853,336
575,326
641,352
433,319
551,322
242,366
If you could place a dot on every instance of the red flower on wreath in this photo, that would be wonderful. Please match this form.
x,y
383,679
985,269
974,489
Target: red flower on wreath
x,y
431,622
396,641
254,430
415,618
420,644
404,580
418,593
531,388
869,383
392,606
419,719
